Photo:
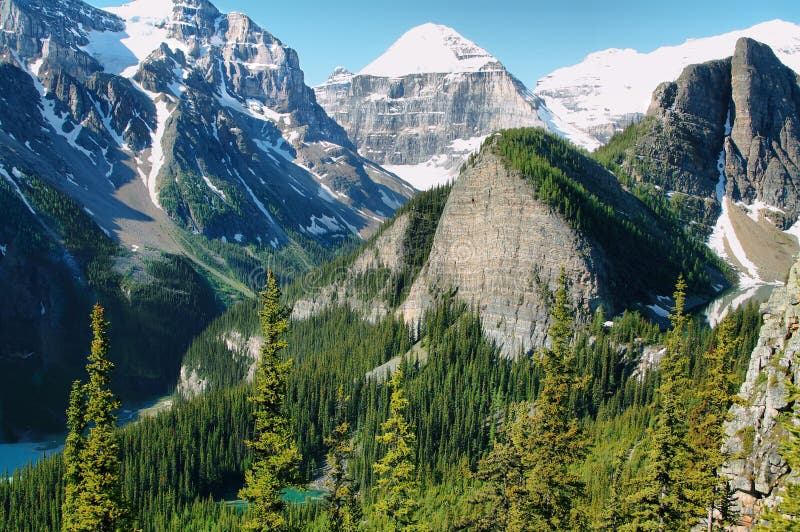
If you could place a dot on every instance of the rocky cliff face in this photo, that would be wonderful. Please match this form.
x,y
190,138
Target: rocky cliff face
x,y
751,102
756,468
610,89
722,142
427,103
502,251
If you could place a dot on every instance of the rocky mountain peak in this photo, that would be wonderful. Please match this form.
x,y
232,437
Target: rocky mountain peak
x,y
610,89
339,75
430,48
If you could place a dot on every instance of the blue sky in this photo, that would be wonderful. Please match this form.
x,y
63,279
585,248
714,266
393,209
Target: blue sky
x,y
531,38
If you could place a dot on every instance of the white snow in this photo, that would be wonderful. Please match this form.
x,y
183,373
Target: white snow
x,y
4,249
425,175
325,225
146,27
754,210
238,237
157,151
209,184
794,230
616,82
42,311
429,48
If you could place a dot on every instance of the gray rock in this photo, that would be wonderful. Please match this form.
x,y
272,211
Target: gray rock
x,y
501,251
753,434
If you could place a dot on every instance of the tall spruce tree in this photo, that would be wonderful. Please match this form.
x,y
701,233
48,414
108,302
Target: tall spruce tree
x,y
73,450
396,488
556,442
707,431
343,508
498,499
276,459
526,479
96,502
657,497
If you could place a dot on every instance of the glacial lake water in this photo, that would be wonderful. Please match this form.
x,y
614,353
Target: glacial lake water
x,y
734,298
14,455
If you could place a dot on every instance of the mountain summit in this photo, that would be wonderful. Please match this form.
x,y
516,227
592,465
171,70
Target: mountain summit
x,y
431,49
428,102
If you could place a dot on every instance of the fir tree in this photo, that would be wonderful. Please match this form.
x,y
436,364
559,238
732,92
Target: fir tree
x,y
343,508
501,490
556,442
73,450
275,456
396,488
657,498
100,505
707,433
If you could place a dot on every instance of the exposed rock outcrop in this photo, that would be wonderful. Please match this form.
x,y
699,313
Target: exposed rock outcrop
x,y
745,107
756,468
502,251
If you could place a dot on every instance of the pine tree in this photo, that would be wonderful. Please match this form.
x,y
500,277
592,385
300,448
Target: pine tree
x,y
100,505
501,492
72,455
553,491
707,433
396,488
276,459
657,497
343,508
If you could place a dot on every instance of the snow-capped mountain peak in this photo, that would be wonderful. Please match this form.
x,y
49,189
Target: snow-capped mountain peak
x,y
611,87
429,48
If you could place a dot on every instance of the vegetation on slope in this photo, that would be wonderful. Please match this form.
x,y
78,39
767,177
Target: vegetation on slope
x,y
646,247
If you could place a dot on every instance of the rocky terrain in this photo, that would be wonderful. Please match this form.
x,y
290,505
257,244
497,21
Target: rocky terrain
x,y
723,143
756,468
611,88
207,111
506,270
428,102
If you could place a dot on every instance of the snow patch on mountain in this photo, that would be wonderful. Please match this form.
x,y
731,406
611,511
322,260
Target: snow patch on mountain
x,y
146,27
429,48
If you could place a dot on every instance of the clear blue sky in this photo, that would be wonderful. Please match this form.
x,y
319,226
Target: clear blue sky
x,y
531,38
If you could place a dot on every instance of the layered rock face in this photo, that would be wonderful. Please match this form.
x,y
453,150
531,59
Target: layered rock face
x,y
502,251
756,469
427,103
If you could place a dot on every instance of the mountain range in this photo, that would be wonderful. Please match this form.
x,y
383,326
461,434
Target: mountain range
x,y
174,132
